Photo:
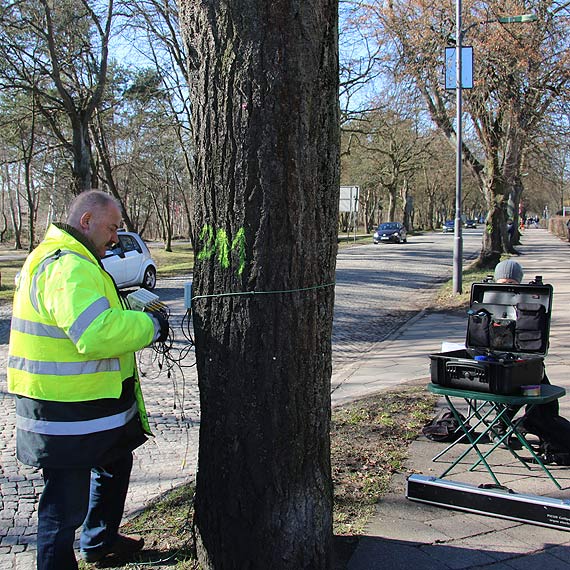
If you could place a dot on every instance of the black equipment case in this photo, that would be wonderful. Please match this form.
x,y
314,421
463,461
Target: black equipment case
x,y
508,331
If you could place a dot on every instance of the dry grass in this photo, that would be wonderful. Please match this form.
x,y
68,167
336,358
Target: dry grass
x,y
369,443
446,299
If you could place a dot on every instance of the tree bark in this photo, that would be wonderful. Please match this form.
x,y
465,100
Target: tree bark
x,y
264,89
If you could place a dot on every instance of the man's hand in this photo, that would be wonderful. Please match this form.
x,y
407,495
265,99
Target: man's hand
x,y
163,327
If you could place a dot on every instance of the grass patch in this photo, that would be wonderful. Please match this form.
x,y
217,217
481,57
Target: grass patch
x,y
8,271
179,261
369,441
447,299
347,241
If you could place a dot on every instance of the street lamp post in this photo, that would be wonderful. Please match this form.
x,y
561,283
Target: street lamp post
x,y
458,235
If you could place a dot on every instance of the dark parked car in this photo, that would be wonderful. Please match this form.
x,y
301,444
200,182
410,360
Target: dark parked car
x,y
448,227
391,232
471,224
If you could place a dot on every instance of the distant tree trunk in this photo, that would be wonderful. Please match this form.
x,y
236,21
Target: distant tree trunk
x,y
264,78
494,234
408,202
99,137
27,149
391,203
11,187
513,212
370,209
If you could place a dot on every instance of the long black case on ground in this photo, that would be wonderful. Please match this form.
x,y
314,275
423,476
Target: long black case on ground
x,y
508,327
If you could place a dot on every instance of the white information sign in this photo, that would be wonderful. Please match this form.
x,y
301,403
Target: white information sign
x,y
349,198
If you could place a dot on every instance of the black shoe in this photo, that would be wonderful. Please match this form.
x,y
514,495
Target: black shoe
x,y
499,432
124,547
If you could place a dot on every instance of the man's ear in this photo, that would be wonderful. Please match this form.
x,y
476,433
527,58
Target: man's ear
x,y
84,220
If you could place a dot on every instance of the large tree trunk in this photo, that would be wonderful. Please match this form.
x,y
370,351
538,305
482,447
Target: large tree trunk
x,y
264,89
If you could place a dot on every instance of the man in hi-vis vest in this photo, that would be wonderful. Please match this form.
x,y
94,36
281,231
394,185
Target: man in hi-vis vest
x,y
71,365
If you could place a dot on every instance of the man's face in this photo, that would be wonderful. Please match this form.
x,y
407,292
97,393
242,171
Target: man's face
x,y
101,226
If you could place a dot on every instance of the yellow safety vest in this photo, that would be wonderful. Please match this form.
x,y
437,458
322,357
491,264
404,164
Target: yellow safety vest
x,y
71,340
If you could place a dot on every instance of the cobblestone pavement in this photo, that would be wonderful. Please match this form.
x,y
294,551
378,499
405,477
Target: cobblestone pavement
x,y
375,294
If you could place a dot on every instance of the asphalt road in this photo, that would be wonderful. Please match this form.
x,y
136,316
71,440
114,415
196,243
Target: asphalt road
x,y
379,287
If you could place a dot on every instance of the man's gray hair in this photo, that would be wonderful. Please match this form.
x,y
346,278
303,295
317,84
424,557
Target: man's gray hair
x,y
89,201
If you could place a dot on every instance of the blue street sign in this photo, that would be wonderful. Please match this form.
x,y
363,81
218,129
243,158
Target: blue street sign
x,y
466,67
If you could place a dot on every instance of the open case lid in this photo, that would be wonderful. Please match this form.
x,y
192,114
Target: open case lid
x,y
510,318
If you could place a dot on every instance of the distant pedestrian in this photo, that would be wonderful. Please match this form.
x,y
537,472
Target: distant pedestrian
x,y
511,230
568,228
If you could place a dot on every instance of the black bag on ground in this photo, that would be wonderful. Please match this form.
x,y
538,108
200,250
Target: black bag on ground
x,y
553,432
444,427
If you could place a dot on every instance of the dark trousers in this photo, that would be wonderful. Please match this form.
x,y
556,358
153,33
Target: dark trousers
x,y
71,497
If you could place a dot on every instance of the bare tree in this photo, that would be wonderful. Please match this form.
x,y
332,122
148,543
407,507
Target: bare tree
x,y
264,95
396,149
57,52
23,145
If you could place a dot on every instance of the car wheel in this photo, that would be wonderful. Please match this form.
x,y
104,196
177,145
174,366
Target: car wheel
x,y
149,279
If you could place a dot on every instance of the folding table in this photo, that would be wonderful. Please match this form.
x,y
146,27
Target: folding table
x,y
490,415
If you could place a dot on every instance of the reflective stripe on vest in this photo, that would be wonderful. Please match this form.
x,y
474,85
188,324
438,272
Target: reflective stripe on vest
x,y
75,330
83,427
64,368
36,329
42,267
83,321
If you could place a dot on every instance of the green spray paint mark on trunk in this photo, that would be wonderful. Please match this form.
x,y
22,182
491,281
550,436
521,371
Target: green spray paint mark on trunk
x,y
218,243
238,244
222,246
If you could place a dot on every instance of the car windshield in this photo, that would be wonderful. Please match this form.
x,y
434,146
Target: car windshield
x,y
389,226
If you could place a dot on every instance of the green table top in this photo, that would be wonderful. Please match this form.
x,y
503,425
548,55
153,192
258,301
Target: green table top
x,y
548,393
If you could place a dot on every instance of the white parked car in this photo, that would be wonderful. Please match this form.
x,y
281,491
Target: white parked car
x,y
130,262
